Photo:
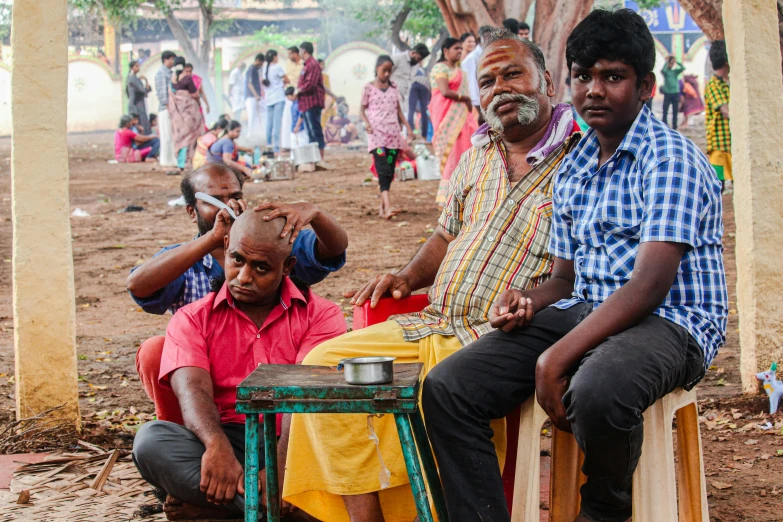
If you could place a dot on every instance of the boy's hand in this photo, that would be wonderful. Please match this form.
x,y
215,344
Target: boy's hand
x,y
297,215
511,310
551,385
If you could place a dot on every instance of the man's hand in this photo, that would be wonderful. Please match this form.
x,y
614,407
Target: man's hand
x,y
221,474
297,216
223,220
511,310
551,385
387,284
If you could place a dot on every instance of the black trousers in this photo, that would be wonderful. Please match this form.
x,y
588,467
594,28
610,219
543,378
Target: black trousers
x,y
419,101
671,101
611,388
385,163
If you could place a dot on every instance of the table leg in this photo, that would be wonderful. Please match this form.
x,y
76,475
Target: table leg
x,y
414,469
251,468
270,453
430,469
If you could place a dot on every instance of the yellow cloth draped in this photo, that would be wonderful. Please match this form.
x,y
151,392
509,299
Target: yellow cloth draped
x,y
333,455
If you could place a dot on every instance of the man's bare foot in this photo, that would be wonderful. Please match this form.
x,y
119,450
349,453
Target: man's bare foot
x,y
175,509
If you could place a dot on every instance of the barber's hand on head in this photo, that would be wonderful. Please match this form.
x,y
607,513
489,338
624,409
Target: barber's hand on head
x,y
511,310
386,284
223,220
221,474
297,215
551,385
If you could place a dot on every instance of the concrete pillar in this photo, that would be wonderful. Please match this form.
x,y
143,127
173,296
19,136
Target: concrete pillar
x,y
43,291
756,109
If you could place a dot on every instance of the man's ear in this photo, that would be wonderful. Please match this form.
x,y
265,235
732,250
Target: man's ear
x,y
192,213
225,241
648,82
288,265
550,85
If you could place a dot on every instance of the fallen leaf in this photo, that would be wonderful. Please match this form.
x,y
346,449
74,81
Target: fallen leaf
x,y
720,485
97,387
24,497
751,442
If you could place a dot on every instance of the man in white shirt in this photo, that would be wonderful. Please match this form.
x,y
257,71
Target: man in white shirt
x,y
236,91
405,66
470,62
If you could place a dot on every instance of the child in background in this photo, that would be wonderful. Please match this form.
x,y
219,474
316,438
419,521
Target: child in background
x,y
299,134
383,119
153,123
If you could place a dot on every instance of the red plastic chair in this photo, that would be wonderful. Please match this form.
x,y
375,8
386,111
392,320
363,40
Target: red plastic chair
x,y
364,316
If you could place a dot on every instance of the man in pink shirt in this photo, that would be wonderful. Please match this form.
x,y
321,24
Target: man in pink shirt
x,y
257,317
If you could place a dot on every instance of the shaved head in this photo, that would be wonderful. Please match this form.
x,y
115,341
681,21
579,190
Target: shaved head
x,y
252,229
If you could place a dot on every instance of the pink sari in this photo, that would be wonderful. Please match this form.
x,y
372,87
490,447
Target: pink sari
x,y
452,122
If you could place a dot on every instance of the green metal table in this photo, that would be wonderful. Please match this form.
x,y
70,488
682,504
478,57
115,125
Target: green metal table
x,y
283,388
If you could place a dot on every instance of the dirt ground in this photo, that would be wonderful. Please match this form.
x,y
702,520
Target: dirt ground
x,y
743,462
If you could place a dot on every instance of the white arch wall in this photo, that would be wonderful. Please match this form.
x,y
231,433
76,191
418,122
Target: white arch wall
x,y
94,97
349,70
5,102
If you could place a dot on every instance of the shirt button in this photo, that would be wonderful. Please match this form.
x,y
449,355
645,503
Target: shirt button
x,y
511,202
490,238
258,336
469,280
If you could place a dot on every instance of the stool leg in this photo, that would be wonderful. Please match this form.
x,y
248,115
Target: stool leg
x,y
654,481
430,469
251,468
270,454
566,477
690,472
414,470
527,475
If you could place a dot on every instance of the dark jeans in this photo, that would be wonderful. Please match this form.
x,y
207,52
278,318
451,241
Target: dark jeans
x,y
420,97
168,456
613,385
155,144
673,101
312,121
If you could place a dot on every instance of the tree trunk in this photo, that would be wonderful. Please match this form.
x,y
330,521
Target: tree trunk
x,y
436,51
396,27
554,22
518,9
708,15
200,66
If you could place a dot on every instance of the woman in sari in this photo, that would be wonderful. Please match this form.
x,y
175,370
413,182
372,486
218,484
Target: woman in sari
x,y
198,82
187,122
452,114
691,102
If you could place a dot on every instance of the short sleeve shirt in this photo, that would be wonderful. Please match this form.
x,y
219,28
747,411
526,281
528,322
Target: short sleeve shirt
x,y
658,186
275,91
220,147
213,334
194,284
383,114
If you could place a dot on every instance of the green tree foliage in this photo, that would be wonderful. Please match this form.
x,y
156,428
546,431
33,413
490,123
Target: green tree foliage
x,y
422,17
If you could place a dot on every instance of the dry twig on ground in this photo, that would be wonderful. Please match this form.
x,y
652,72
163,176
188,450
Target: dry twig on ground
x,y
40,432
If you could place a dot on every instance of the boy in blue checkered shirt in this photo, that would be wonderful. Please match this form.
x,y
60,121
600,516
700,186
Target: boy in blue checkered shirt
x,y
636,306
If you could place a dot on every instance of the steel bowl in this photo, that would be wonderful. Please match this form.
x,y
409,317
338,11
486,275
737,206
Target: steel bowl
x,y
368,370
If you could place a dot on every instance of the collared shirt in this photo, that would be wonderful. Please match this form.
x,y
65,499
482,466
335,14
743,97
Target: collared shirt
x,y
470,66
716,95
311,86
252,78
403,74
162,87
214,335
658,186
294,71
502,234
671,85
194,283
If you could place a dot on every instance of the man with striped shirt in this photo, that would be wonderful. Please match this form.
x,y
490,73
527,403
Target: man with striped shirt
x,y
492,235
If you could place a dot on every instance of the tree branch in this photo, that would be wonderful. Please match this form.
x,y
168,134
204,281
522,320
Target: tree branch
x,y
396,27
436,50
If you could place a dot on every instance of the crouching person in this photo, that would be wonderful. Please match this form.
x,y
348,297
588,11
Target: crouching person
x,y
258,316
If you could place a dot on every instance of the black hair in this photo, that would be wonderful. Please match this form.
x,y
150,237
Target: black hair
x,y
133,115
448,43
289,91
294,49
132,64
307,47
233,124
422,50
498,33
221,124
718,55
382,59
188,65
270,55
618,34
152,118
125,120
523,26
166,55
259,57
179,61
511,24
189,191
467,35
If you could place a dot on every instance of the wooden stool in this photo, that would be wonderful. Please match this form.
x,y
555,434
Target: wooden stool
x,y
283,388
655,491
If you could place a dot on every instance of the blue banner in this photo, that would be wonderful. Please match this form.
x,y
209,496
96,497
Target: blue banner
x,y
670,17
